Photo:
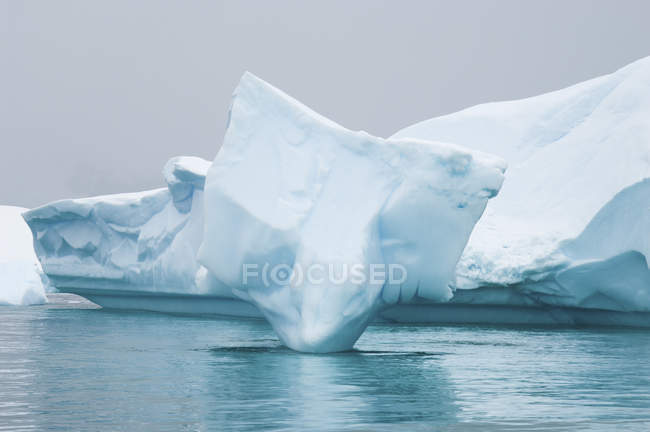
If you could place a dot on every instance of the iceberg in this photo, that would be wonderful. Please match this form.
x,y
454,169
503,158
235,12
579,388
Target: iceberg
x,y
21,281
568,238
289,220
291,192
134,250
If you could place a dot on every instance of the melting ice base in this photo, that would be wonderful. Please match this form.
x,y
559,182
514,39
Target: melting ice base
x,y
571,225
20,272
290,188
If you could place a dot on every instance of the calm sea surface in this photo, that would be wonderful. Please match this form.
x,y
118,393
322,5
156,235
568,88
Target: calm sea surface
x,y
64,366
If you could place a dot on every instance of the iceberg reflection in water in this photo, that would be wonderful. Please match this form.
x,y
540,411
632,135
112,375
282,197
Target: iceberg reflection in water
x,y
163,372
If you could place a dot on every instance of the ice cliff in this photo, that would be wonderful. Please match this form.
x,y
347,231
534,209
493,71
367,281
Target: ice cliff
x,y
20,272
142,242
571,225
294,191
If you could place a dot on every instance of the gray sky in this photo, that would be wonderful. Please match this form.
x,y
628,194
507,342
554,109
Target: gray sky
x,y
95,96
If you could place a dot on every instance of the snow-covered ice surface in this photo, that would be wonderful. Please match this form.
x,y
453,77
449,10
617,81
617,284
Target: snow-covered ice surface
x,y
126,247
571,225
20,272
292,190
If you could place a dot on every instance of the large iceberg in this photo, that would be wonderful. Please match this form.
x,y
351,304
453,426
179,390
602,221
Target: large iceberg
x,y
290,192
571,225
21,281
382,222
293,192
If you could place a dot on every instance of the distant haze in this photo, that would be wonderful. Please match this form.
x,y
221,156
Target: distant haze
x,y
96,96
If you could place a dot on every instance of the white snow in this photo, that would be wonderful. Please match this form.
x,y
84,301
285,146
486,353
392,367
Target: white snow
x,y
20,274
290,188
571,224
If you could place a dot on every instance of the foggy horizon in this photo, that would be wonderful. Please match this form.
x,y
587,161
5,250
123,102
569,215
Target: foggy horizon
x,y
97,97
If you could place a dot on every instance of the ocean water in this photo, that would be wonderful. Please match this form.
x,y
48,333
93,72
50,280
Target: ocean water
x,y
68,366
